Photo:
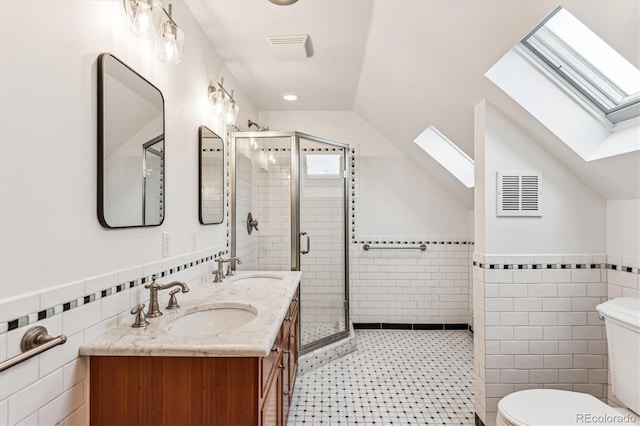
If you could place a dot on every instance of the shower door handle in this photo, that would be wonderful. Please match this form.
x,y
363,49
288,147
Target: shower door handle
x,y
308,243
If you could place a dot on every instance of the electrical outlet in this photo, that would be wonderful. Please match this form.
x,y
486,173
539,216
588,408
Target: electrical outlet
x,y
166,241
194,241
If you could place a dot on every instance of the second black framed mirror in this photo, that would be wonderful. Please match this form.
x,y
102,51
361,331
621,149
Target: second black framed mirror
x,y
210,177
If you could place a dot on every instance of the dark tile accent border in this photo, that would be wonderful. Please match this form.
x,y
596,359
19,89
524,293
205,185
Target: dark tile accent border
x,y
557,266
389,326
479,422
408,326
366,326
31,318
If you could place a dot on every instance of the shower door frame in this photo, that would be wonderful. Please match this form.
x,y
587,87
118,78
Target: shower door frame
x,y
295,213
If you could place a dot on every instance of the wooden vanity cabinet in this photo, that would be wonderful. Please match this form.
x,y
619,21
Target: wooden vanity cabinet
x,y
150,390
278,387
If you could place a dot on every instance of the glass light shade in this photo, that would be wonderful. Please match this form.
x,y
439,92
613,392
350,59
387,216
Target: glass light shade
x,y
145,17
231,112
169,43
217,101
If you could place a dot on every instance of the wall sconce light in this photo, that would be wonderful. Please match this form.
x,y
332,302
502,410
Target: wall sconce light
x,y
222,104
146,22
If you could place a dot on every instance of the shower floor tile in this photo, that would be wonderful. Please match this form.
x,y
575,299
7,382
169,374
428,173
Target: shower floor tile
x,y
395,377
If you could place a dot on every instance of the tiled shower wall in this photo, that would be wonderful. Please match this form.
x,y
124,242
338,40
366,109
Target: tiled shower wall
x,y
536,325
53,388
322,206
274,212
246,202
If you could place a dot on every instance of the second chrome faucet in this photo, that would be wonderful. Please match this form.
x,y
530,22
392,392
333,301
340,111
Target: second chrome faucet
x,y
219,273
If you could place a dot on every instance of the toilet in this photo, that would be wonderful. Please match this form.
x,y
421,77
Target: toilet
x,y
557,407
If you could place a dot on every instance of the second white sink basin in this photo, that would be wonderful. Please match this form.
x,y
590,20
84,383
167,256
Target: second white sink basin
x,y
259,278
211,321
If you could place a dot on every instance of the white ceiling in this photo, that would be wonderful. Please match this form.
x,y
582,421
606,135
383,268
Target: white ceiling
x,y
402,65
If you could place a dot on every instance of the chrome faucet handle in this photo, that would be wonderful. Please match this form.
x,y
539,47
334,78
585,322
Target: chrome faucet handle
x,y
173,301
141,318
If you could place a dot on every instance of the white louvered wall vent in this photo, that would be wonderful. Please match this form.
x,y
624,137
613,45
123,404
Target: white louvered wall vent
x,y
289,47
519,194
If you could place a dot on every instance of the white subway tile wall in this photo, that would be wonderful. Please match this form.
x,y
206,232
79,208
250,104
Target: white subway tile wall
x,y
53,388
410,286
536,325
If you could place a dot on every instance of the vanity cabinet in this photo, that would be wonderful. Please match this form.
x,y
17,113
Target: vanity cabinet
x,y
154,390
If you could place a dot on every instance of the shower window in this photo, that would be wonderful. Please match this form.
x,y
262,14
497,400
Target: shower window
x,y
323,165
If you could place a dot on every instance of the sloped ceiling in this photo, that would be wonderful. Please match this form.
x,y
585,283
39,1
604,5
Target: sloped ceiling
x,y
402,65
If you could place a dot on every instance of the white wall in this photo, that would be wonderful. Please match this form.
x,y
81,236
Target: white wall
x,y
395,198
48,107
623,228
573,215
53,251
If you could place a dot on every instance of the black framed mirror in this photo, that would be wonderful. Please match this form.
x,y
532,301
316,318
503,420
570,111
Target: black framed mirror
x,y
131,150
210,177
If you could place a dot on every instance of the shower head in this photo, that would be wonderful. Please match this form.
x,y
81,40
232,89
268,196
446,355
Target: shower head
x,y
253,123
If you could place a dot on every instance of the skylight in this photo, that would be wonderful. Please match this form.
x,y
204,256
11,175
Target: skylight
x,y
447,154
588,64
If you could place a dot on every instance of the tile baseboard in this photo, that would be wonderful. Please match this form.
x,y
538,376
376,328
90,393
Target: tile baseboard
x,y
410,326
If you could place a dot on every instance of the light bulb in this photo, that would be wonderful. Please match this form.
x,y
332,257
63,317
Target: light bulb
x,y
216,100
231,112
170,43
145,17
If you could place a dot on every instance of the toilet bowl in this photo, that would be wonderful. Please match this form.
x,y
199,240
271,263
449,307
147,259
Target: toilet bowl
x,y
553,407
541,407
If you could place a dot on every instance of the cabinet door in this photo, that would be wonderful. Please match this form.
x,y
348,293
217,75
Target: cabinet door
x,y
271,412
293,352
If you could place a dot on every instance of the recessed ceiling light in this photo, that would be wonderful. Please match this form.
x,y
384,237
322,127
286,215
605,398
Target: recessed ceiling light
x,y
289,96
283,2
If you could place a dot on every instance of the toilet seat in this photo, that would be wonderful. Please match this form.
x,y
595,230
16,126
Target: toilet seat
x,y
538,407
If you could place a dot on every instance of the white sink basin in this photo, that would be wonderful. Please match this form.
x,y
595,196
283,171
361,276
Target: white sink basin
x,y
260,278
213,320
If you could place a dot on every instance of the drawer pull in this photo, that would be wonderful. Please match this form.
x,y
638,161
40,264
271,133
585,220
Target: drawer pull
x,y
287,319
275,349
292,335
295,299
282,366
286,393
287,351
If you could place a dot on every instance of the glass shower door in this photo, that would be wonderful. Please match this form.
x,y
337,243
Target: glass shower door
x,y
322,198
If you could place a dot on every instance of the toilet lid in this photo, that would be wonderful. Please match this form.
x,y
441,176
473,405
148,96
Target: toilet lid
x,y
554,407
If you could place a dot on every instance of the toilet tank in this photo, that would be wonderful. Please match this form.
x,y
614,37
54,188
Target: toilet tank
x,y
622,322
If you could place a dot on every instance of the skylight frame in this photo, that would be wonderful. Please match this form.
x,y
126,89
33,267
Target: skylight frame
x,y
579,74
456,161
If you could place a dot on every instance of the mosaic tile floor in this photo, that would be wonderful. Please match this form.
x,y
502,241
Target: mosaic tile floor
x,y
395,377
316,331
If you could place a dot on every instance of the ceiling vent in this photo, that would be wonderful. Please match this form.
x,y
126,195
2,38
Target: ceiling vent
x,y
519,194
290,46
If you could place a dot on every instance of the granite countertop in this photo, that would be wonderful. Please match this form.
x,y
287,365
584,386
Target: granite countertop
x,y
253,339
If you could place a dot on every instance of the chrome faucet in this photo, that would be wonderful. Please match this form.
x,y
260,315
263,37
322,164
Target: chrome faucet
x,y
154,287
219,273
